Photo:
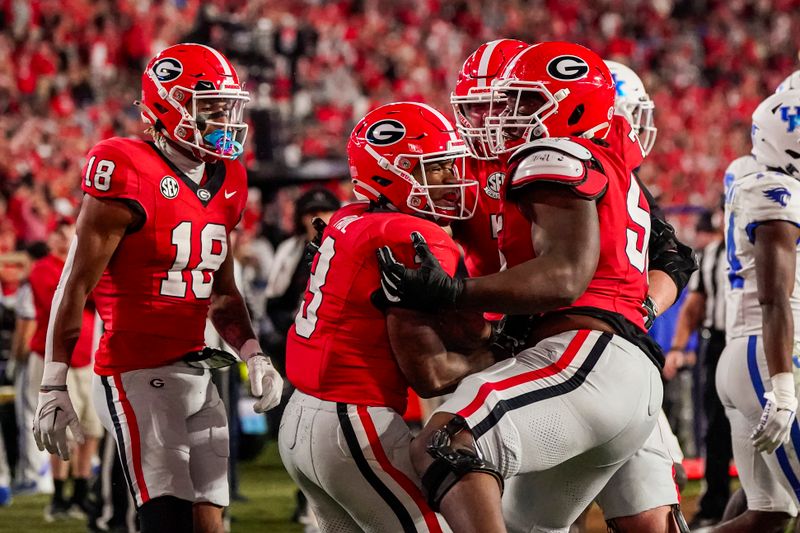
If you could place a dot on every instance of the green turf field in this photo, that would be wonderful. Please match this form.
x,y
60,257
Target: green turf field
x,y
264,482
268,510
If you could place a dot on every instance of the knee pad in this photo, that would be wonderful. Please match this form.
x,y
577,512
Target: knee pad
x,y
450,465
166,514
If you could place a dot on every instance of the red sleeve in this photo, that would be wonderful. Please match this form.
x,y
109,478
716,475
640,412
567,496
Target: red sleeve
x,y
398,233
109,172
626,143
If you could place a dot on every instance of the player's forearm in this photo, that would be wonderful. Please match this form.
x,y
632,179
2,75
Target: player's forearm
x,y
662,289
447,370
229,316
66,326
778,334
21,341
536,286
689,319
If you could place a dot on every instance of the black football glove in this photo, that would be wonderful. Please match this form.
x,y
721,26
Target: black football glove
x,y
426,288
313,245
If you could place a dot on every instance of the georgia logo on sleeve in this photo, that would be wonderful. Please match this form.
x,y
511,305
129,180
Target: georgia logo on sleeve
x,y
385,132
567,68
167,69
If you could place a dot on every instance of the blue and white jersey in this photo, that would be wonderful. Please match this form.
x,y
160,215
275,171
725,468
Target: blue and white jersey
x,y
752,199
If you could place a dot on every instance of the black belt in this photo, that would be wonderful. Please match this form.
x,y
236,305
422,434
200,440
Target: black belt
x,y
210,358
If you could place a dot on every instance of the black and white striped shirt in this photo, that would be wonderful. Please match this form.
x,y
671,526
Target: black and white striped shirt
x,y
710,280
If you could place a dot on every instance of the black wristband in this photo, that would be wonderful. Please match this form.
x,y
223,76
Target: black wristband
x,y
48,388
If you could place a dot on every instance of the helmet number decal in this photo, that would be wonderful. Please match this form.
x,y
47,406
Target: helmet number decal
x,y
568,68
385,132
101,178
167,69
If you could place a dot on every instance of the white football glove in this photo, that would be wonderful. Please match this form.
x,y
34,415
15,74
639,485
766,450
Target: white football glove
x,y
779,412
54,415
266,383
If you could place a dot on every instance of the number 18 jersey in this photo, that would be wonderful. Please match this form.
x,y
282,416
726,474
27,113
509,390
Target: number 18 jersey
x,y
338,349
154,295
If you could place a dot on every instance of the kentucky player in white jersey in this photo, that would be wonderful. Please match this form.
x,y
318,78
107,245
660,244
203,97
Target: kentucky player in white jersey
x,y
756,376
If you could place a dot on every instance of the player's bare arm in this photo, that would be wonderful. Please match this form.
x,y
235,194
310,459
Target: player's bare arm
x,y
229,315
431,369
775,252
100,227
228,312
566,240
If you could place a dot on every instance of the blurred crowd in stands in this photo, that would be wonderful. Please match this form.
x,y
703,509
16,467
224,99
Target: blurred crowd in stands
x,y
69,73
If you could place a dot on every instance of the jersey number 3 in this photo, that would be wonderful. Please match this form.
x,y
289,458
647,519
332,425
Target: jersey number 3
x,y
213,249
306,320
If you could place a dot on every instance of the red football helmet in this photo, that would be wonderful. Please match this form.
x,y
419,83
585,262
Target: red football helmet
x,y
392,142
471,97
186,90
553,89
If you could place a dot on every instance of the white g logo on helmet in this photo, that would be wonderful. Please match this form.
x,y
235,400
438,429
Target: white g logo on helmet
x,y
167,69
567,68
385,132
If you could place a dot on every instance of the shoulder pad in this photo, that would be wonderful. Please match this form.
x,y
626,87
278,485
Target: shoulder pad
x,y
561,144
557,160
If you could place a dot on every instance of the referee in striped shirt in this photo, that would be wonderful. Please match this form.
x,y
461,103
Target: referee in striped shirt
x,y
704,309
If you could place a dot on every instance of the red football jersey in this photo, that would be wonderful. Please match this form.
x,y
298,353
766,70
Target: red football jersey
x,y
478,235
620,282
338,349
43,280
154,295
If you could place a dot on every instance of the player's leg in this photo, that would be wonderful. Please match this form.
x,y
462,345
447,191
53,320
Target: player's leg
x,y
208,463
642,495
79,383
576,393
295,452
166,513
764,477
382,492
146,412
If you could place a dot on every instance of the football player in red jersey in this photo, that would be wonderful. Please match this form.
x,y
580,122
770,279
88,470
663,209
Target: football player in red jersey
x,y
572,407
470,100
152,242
342,437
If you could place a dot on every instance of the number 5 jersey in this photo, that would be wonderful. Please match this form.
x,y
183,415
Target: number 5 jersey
x,y
155,293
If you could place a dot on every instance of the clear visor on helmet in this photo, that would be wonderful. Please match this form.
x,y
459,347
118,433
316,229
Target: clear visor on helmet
x,y
517,114
470,112
217,119
640,116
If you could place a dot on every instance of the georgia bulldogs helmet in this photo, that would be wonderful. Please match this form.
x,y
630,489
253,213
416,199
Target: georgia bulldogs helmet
x,y
178,84
551,89
390,142
472,94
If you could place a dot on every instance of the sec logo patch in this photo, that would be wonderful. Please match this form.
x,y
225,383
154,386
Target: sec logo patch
x,y
493,185
169,187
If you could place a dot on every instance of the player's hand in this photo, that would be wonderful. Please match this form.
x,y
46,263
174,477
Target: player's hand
x,y
776,421
651,311
673,362
54,415
313,245
426,288
266,383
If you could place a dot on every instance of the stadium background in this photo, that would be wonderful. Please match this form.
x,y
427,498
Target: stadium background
x,y
70,70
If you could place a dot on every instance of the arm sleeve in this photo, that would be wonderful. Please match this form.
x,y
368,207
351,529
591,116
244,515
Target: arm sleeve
x,y
109,173
439,242
773,196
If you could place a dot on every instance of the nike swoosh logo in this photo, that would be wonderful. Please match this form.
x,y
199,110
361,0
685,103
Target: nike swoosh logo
x,y
229,194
